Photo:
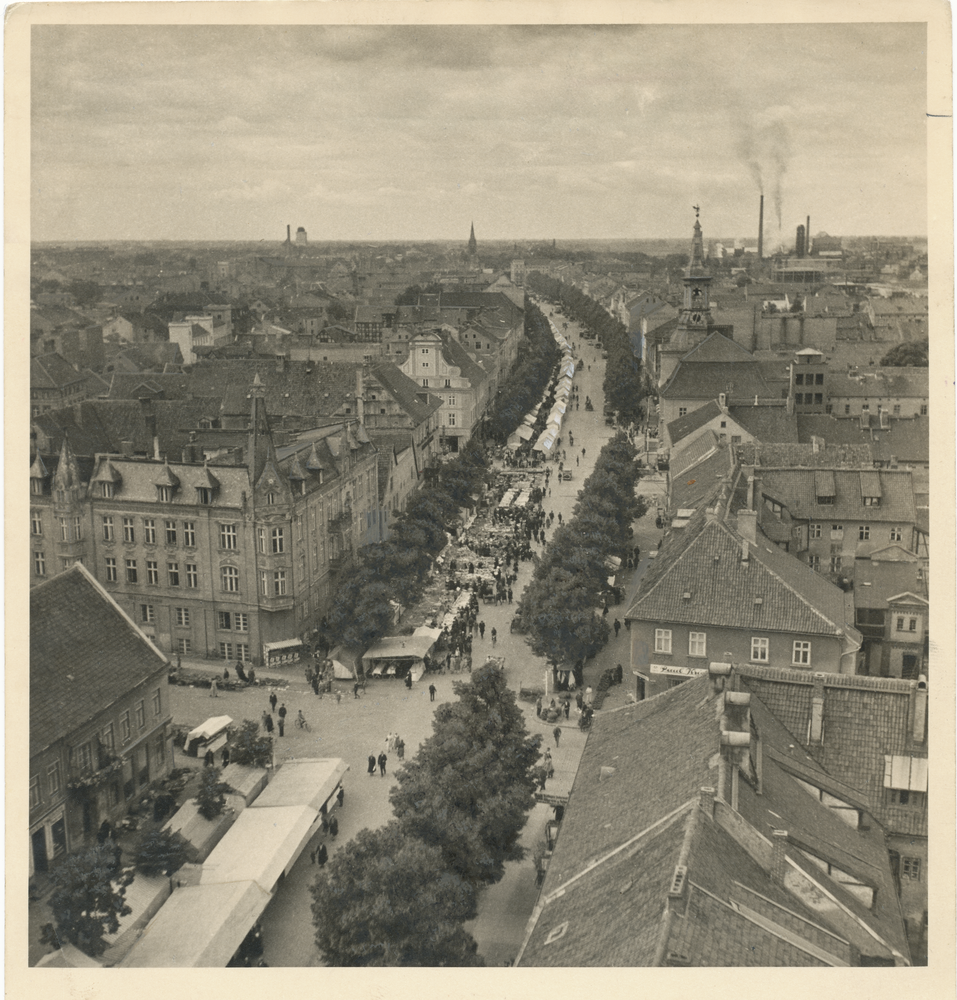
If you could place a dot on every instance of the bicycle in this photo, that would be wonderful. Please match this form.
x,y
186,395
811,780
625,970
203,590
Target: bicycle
x,y
302,724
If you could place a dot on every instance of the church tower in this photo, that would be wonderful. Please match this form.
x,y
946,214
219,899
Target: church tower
x,y
473,246
695,320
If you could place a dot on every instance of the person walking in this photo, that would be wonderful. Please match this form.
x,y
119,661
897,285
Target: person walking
x,y
315,684
226,673
338,698
604,612
617,627
225,756
371,765
282,719
355,690
557,733
481,626
273,699
268,723
209,759
382,763
509,592
213,688
341,796
432,690
494,635
334,827
322,855
568,707
408,680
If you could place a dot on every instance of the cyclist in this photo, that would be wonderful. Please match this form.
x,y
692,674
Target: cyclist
x,y
301,720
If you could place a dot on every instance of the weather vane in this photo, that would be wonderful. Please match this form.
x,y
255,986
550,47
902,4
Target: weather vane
x,y
697,209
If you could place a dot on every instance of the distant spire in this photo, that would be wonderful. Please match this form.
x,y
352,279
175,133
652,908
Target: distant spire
x,y
473,246
696,264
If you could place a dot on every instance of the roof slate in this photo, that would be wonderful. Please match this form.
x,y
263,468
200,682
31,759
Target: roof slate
x,y
769,424
796,489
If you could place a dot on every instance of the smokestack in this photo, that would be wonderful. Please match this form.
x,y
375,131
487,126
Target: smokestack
x,y
807,237
289,234
761,230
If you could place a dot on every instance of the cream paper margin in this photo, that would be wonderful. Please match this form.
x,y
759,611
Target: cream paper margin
x,y
935,981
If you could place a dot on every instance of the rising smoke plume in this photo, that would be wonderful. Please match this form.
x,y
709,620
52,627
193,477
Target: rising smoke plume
x,y
764,145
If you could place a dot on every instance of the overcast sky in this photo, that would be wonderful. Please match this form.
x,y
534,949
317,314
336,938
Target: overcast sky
x,y
413,132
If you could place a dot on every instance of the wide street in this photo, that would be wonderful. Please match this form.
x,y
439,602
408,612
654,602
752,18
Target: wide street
x,y
355,728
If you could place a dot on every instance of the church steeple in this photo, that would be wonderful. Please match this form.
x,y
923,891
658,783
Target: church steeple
x,y
473,246
695,317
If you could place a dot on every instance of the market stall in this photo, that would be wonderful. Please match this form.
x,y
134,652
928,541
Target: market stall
x,y
398,655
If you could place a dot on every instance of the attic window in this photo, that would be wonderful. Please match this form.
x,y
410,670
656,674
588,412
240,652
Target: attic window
x,y
678,880
556,932
165,493
204,495
686,595
270,498
107,491
872,501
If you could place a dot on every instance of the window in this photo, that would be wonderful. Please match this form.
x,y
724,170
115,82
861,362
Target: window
x,y
125,730
204,495
39,564
242,651
131,575
106,737
837,531
77,529
270,498
165,494
261,538
264,583
897,410
184,645
140,714
697,643
110,569
425,364
226,650
923,409
863,532
814,562
189,533
181,617
129,533
825,501
229,576
36,485
448,383
192,575
172,573
836,564
425,383
170,532
157,702
818,398
225,619
278,540
279,583
910,868
801,656
847,409
149,531
682,411
36,523
241,621
799,378
108,535
865,407
451,400
896,534
451,419
147,615
872,501
66,563
61,496
34,790
662,640
227,536
814,531
107,491
53,778
759,650
64,530
819,378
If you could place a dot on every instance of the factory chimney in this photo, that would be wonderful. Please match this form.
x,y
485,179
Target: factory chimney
x,y
807,238
289,234
761,230
800,242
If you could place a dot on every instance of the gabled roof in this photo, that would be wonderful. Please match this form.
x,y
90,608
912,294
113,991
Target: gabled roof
x,y
798,490
784,456
704,560
885,383
405,392
52,371
718,348
690,422
85,654
694,379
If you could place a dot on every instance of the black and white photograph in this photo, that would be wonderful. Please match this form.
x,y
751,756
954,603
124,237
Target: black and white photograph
x,y
479,489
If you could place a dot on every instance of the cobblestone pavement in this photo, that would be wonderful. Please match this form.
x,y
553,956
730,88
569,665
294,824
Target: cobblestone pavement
x,y
354,728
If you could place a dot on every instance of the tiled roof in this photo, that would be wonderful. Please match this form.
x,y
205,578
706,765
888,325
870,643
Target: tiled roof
x,y
884,383
685,458
52,371
708,379
804,456
718,348
797,489
124,385
683,426
701,483
875,580
455,354
906,440
85,654
405,392
864,719
139,480
704,560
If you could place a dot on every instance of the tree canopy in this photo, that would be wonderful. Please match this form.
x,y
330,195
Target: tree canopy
x,y
248,746
909,355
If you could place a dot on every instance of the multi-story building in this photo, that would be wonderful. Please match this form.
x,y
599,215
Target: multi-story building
x,y
54,382
99,713
213,558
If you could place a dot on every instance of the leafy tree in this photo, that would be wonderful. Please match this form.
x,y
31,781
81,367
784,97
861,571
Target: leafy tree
x,y
388,900
211,795
248,746
89,897
337,311
161,853
909,355
469,788
86,293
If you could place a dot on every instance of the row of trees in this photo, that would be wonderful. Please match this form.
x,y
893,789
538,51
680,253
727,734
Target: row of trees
x,y
400,895
558,606
623,385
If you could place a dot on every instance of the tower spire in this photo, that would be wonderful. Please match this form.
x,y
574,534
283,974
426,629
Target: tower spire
x,y
473,246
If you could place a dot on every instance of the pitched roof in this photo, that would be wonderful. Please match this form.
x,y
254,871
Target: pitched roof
x,y
709,379
704,560
798,490
783,456
772,424
405,392
716,347
882,383
52,371
455,354
85,654
683,426
877,580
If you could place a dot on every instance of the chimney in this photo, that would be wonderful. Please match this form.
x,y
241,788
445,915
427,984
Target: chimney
x,y
723,402
807,237
920,709
816,722
706,800
126,448
747,529
719,674
779,860
750,492
360,402
289,234
761,230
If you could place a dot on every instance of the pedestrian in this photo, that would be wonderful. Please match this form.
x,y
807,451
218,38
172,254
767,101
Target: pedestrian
x,y
558,735
568,707
619,674
432,690
334,827
282,712
213,689
583,452
315,684
225,756
408,680
538,707
240,673
371,765
268,723
628,624
209,759
322,855
481,629
604,612
617,627
252,675
341,796
382,763
509,595
338,698
226,673
494,636
273,699
355,690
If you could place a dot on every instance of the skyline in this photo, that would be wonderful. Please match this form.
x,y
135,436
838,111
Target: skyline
x,y
564,132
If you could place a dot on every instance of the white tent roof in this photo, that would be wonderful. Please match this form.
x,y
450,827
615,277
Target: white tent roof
x,y
199,926
525,432
400,647
310,781
259,846
209,728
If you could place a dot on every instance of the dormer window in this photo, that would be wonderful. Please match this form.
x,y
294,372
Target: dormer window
x,y
107,491
36,487
872,501
165,494
204,495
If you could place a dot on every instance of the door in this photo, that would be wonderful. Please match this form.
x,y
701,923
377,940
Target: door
x,y
40,861
910,667
59,837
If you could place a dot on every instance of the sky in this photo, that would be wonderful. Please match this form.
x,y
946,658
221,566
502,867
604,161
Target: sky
x,y
532,132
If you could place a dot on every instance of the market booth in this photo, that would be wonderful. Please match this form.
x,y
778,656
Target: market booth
x,y
209,735
282,653
398,655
